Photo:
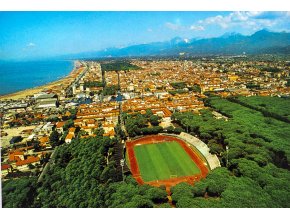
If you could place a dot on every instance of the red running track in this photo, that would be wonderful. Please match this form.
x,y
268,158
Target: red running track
x,y
172,181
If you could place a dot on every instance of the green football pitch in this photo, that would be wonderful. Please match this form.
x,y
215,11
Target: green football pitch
x,y
163,161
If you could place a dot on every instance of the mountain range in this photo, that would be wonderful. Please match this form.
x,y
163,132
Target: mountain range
x,y
261,42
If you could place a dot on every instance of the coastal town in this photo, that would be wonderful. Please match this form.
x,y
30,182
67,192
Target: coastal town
x,y
93,97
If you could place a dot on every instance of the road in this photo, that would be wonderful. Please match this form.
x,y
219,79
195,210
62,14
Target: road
x,y
75,83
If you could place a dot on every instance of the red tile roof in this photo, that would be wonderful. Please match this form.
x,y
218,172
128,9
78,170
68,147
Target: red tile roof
x,y
5,166
69,136
14,155
72,129
60,124
43,139
29,160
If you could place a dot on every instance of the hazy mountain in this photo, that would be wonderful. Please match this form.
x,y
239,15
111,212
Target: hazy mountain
x,y
262,41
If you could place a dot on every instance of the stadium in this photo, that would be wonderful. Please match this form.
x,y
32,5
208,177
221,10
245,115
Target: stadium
x,y
166,160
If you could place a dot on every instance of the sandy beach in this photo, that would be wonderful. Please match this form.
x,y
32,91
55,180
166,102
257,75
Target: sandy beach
x,y
31,91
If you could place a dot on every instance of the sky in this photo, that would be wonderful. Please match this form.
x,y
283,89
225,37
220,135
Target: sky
x,y
31,35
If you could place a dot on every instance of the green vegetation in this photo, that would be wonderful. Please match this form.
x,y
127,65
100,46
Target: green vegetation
x,y
93,84
75,178
155,74
253,86
138,124
254,172
222,190
68,124
271,69
178,85
110,90
18,193
177,91
179,88
154,120
160,161
274,105
288,82
257,171
195,88
84,175
99,131
262,131
117,66
54,138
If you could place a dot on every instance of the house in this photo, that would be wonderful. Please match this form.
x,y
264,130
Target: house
x,y
69,138
29,160
72,131
47,128
16,156
110,133
44,141
5,169
59,126
91,123
67,114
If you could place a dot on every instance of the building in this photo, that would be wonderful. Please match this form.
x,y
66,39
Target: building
x,y
69,138
59,127
44,100
47,103
30,160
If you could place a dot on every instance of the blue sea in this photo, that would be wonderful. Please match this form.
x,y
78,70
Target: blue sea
x,y
17,76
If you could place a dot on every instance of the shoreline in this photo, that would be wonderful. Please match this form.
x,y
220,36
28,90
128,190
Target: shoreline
x,y
33,90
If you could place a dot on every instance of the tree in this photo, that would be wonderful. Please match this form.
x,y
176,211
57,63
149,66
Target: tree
x,y
178,130
217,181
215,148
54,138
148,113
157,195
110,90
181,190
244,192
169,129
36,145
109,173
69,123
99,131
154,120
18,193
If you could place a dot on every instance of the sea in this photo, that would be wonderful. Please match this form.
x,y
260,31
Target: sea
x,y
18,76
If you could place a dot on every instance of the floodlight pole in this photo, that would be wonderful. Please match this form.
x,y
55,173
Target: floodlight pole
x,y
122,165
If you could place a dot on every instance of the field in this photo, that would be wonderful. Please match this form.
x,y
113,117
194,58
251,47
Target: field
x,y
164,160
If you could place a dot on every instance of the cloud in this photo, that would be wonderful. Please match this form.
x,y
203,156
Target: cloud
x,y
30,45
196,28
253,20
149,30
173,26
246,21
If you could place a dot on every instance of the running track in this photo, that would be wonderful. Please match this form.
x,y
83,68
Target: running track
x,y
172,181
